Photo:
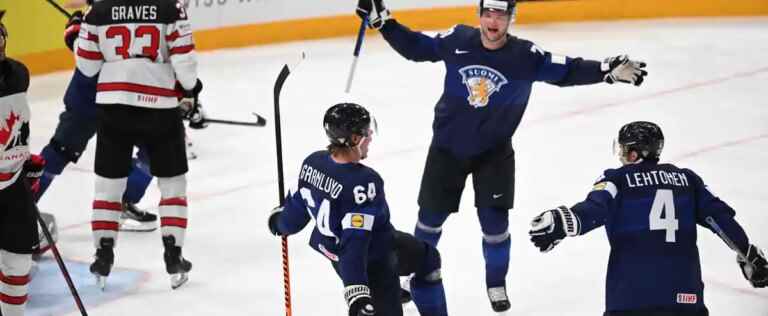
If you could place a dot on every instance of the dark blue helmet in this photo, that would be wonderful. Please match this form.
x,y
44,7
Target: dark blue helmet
x,y
645,138
343,120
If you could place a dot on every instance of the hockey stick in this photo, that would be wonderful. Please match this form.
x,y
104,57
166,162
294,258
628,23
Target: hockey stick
x,y
356,54
59,261
721,233
260,121
59,8
280,181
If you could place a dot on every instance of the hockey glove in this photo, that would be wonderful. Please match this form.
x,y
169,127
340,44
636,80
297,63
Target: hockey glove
x,y
274,217
188,104
550,227
754,267
72,29
358,299
622,69
374,11
197,121
33,168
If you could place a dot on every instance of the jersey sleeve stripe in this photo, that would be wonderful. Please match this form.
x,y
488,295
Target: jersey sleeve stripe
x,y
89,54
90,37
6,176
136,88
175,35
182,49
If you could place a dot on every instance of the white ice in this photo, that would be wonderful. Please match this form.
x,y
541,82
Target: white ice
x,y
707,89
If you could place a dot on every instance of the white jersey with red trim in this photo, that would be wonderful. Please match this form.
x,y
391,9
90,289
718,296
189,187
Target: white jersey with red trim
x,y
14,120
140,49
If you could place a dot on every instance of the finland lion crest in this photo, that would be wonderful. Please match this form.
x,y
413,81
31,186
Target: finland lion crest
x,y
481,82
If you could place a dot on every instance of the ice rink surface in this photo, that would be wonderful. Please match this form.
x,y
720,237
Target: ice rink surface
x,y
707,89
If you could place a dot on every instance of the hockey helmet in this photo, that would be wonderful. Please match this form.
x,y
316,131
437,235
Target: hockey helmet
x,y
508,6
343,120
645,138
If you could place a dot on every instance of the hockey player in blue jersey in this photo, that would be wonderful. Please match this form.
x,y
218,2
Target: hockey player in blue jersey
x,y
650,211
352,229
488,81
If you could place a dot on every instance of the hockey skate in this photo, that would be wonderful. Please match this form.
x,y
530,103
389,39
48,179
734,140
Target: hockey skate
x,y
175,264
134,219
498,298
105,257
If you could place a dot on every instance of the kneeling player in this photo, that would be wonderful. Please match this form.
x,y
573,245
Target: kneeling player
x,y
650,211
346,200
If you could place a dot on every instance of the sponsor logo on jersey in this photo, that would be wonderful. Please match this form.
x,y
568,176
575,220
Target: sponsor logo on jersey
x,y
358,221
599,186
482,82
684,298
328,254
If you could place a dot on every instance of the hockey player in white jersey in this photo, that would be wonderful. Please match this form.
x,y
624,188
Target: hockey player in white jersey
x,y
18,222
144,55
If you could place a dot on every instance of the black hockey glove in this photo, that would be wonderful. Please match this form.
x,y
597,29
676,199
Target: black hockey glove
x,y
274,217
33,168
374,11
550,227
72,29
190,105
358,299
622,69
754,267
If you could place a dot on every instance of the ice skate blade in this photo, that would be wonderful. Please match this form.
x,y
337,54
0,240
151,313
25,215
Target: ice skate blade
x,y
179,279
130,225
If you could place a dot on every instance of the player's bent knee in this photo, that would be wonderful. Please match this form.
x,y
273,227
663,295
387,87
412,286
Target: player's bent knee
x,y
173,186
67,152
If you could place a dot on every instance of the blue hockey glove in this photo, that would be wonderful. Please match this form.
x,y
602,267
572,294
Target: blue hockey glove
x,y
374,11
754,267
622,69
274,217
550,227
358,299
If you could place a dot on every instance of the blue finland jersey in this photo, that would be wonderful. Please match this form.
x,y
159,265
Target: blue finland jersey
x,y
650,212
81,94
348,206
485,92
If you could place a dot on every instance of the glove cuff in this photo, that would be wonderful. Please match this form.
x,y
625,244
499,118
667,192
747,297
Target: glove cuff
x,y
355,292
571,223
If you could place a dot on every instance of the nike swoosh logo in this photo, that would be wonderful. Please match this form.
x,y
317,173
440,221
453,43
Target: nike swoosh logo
x,y
496,196
459,52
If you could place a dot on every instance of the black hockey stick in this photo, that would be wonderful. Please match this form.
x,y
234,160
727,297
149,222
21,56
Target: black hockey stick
x,y
728,241
260,121
280,181
59,261
58,7
356,54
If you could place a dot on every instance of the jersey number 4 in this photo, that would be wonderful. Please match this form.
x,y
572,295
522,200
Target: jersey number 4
x,y
150,51
662,215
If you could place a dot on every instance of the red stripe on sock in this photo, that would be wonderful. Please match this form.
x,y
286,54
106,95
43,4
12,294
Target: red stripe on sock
x,y
177,201
104,225
173,221
107,205
14,280
13,300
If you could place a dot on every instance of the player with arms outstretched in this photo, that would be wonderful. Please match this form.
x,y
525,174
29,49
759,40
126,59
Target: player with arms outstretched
x,y
352,223
650,211
140,49
18,222
488,81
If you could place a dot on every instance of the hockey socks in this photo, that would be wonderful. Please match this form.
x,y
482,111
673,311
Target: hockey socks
x,y
14,279
107,207
173,207
429,228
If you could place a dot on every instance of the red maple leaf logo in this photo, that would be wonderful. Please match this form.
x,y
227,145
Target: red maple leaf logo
x,y
5,134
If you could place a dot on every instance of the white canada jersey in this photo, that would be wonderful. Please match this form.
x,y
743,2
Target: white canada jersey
x,y
140,49
14,120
